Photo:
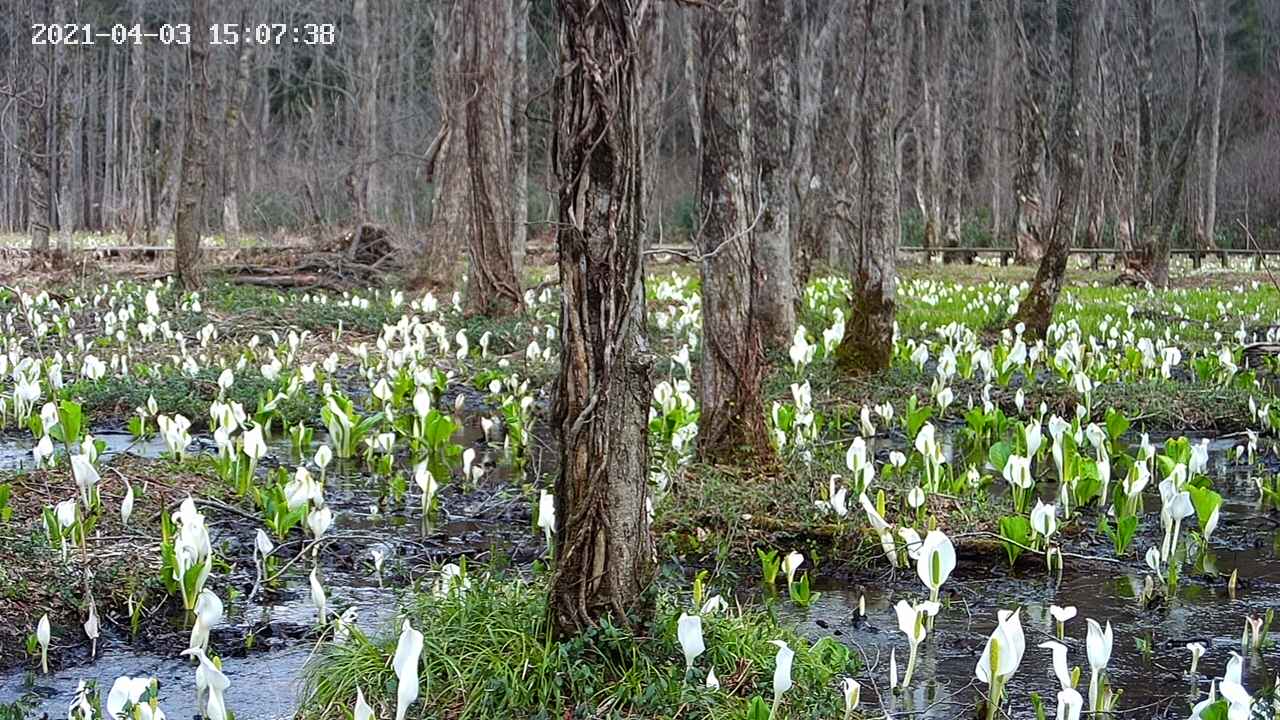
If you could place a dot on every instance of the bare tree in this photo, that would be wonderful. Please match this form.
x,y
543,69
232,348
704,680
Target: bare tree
x,y
867,345
188,221
605,556
732,418
1214,132
1036,310
64,126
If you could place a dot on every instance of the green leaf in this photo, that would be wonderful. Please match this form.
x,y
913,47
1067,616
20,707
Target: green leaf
x,y
1205,500
70,420
1117,424
1122,534
999,454
758,710
1015,530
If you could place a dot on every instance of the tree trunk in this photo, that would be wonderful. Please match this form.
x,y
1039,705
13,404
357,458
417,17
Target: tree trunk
x,y
775,302
809,231
1215,134
1036,310
867,345
693,86
361,180
188,220
446,166
604,552
732,418
1140,242
1152,259
64,122
520,136
37,157
139,129
492,286
653,114
173,139
233,148
1028,239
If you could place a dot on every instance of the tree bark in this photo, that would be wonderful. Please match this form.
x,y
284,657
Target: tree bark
x,y
446,166
1215,134
653,114
234,144
809,231
732,414
1028,238
64,122
604,553
1152,259
188,220
361,180
934,81
520,136
775,302
693,83
37,158
1036,310
492,286
867,345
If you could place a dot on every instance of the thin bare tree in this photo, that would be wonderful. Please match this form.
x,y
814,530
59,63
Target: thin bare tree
x,y
1036,310
188,221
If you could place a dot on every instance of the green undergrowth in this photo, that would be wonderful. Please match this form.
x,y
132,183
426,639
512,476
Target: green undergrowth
x,y
188,395
276,309
1154,405
489,653
718,516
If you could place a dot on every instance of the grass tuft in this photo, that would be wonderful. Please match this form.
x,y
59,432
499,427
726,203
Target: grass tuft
x,y
489,653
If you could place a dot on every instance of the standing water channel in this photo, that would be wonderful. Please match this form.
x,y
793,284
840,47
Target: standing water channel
x,y
267,640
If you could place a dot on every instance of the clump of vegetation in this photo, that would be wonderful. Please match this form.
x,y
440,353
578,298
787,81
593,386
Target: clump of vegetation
x,y
488,652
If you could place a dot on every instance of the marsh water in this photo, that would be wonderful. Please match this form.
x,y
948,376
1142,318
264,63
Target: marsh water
x,y
265,642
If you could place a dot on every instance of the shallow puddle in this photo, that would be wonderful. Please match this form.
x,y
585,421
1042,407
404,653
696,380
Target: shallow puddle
x,y
1155,683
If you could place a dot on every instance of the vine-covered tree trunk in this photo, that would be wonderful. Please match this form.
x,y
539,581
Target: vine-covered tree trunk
x,y
492,286
732,418
188,218
1036,310
775,303
867,345
604,551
